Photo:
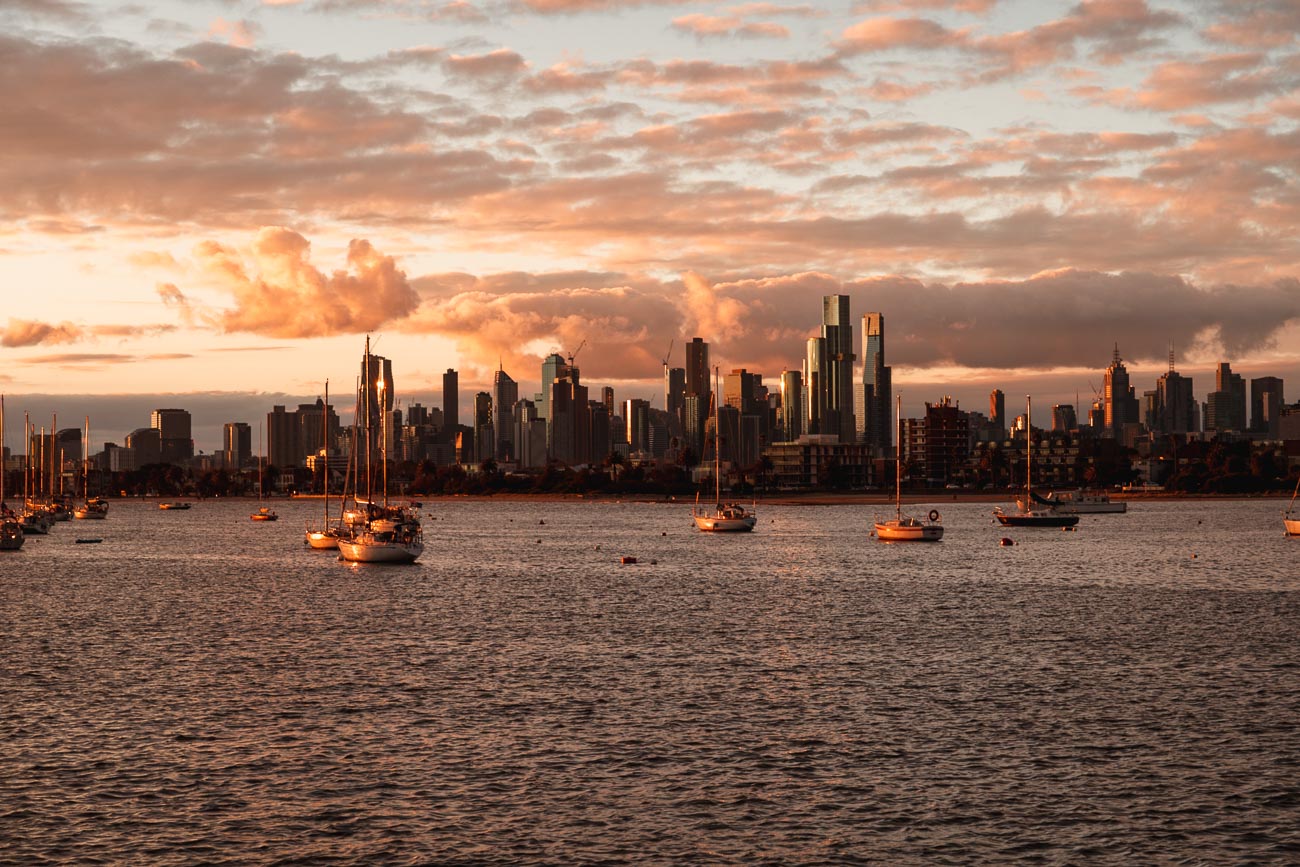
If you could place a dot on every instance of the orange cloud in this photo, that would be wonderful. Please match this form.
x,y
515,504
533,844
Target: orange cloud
x,y
287,296
27,332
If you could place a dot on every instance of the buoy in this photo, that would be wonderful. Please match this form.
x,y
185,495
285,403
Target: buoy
x,y
934,515
665,533
627,560
543,521
654,562
1193,556
1006,543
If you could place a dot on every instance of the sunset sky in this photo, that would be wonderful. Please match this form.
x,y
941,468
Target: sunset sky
x,y
209,204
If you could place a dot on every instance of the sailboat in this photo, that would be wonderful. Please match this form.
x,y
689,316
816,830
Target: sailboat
x,y
11,531
723,517
326,536
389,534
1291,518
263,513
91,509
905,528
1026,515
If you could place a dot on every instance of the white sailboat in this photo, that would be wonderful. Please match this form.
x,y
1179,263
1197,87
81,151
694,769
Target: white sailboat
x,y
905,528
389,535
326,536
263,513
11,531
1026,515
91,509
1291,518
723,517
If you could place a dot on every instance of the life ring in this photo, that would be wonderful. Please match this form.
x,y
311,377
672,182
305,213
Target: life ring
x,y
934,515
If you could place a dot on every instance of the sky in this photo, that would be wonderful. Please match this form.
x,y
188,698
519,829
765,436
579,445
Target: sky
x,y
209,204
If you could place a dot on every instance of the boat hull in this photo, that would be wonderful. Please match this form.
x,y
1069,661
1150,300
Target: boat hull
x,y
321,540
11,536
890,531
1036,519
379,552
1292,526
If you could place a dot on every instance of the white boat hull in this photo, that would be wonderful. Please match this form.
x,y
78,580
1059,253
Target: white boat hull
x,y
903,531
321,540
717,524
363,551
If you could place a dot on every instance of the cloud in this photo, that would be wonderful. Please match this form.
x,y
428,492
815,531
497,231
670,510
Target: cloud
x,y
27,332
284,295
704,26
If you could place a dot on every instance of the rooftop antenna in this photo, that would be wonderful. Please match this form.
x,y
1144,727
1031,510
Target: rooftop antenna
x,y
1115,358
1171,356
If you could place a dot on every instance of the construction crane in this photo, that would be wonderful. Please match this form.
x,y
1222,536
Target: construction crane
x,y
669,353
574,353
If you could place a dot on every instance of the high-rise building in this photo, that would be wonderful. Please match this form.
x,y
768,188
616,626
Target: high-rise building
x,y
282,447
553,369
1226,405
173,426
607,398
698,386
636,415
939,444
237,443
1119,399
1175,405
450,399
791,405
146,442
1266,402
877,386
569,426
837,329
505,394
675,391
998,411
484,436
814,386
1063,417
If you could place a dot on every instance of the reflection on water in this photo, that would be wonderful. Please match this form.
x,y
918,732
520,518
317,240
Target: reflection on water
x,y
200,687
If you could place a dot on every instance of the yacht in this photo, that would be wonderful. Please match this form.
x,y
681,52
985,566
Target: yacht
x,y
906,528
1025,515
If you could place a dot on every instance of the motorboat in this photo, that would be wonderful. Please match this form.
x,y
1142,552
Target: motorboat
x,y
265,513
906,528
173,506
1076,502
94,509
1024,515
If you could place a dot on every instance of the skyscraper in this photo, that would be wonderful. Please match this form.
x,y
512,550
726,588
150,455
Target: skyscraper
x,y
998,411
814,386
237,438
553,369
675,391
1119,399
877,385
1266,402
1227,403
791,405
837,329
1175,405
450,400
505,393
173,426
484,422
698,387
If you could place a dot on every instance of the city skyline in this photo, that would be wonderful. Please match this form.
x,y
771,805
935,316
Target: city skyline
x,y
214,202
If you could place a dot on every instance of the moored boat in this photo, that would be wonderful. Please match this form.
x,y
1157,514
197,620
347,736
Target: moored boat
x,y
1291,518
906,528
721,517
265,513
173,506
1024,516
1076,502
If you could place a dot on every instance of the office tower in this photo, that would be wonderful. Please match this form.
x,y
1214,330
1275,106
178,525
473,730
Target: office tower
x,y
568,435
675,391
1119,399
553,369
1063,417
417,415
607,398
282,448
877,386
998,411
601,436
237,442
791,405
505,394
837,381
698,386
814,379
313,435
484,436
636,416
450,400
146,442
1266,402
1226,405
173,426
1175,403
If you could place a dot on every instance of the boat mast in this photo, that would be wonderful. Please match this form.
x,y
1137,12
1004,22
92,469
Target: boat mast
x,y
898,463
383,438
325,442
717,441
1029,455
4,469
365,392
85,463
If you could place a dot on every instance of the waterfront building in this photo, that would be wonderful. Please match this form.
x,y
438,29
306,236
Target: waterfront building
x,y
820,460
937,445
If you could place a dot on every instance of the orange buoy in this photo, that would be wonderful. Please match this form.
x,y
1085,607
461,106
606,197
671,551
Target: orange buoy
x,y
1006,543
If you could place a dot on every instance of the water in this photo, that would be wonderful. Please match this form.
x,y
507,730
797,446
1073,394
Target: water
x,y
203,688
